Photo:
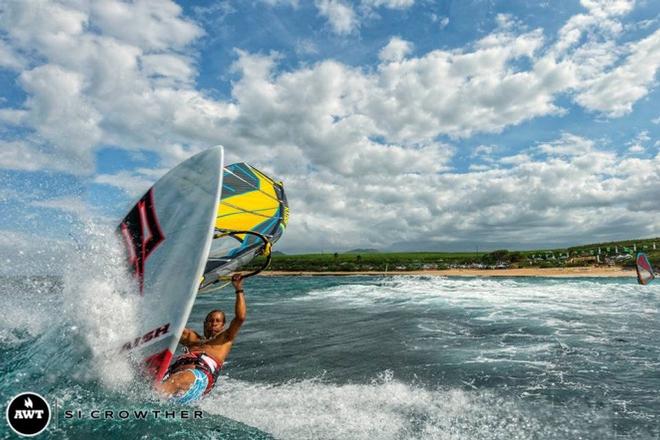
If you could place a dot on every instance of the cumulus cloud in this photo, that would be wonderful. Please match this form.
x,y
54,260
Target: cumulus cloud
x,y
616,90
18,156
568,145
564,189
306,47
343,18
599,21
94,77
173,68
59,109
391,4
608,78
148,24
27,155
441,20
293,3
332,112
396,50
358,146
637,145
134,183
136,89
10,59
71,205
340,15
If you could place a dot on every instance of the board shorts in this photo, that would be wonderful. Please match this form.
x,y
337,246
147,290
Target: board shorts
x,y
196,390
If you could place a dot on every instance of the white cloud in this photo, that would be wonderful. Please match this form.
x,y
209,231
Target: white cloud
x,y
599,21
13,117
27,155
441,20
47,26
126,85
607,8
356,146
391,4
330,111
174,68
59,109
10,59
608,78
134,183
340,15
114,87
517,159
70,205
306,47
568,145
614,92
458,93
19,156
149,24
292,3
396,50
592,193
636,145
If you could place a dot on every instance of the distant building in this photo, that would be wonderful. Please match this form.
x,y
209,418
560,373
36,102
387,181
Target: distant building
x,y
584,260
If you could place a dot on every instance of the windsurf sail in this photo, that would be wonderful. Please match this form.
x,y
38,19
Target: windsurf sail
x,y
645,272
252,216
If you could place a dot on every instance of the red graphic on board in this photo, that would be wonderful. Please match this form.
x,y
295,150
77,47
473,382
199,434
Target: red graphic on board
x,y
156,365
142,234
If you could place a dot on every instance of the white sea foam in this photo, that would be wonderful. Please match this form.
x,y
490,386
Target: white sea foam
x,y
386,409
27,306
100,301
500,296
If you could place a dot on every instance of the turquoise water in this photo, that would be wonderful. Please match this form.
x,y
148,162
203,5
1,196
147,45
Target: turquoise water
x,y
409,357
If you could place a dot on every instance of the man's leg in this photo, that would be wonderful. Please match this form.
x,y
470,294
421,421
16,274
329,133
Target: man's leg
x,y
177,383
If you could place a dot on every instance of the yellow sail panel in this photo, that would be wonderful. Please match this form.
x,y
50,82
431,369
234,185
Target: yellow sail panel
x,y
244,212
252,202
246,209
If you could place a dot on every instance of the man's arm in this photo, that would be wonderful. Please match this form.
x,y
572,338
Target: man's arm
x,y
240,310
189,337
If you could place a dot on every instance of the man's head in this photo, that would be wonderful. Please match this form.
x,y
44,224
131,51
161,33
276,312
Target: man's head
x,y
214,323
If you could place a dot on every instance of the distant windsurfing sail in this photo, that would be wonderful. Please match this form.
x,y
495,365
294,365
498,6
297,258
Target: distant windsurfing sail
x,y
645,272
252,216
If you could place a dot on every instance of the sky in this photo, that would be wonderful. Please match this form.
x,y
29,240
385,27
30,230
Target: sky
x,y
394,124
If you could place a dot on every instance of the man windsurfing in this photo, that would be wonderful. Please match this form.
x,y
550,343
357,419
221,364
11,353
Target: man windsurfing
x,y
193,374
645,273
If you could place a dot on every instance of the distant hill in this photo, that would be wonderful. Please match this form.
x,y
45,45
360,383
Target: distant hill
x,y
278,253
363,251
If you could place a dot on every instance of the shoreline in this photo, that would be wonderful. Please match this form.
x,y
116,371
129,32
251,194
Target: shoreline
x,y
551,272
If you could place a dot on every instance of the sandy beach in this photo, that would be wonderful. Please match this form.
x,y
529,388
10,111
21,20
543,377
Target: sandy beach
x,y
556,272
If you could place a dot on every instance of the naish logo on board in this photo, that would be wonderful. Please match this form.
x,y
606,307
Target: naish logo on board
x,y
142,234
28,414
151,334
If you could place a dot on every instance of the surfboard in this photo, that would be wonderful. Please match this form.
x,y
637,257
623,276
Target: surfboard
x,y
167,235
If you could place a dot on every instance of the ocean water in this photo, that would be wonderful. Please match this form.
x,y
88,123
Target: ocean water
x,y
404,357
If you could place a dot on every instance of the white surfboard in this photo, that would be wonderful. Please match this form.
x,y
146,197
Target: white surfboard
x,y
168,236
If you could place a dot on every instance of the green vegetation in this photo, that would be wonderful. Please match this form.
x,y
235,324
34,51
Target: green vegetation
x,y
611,254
